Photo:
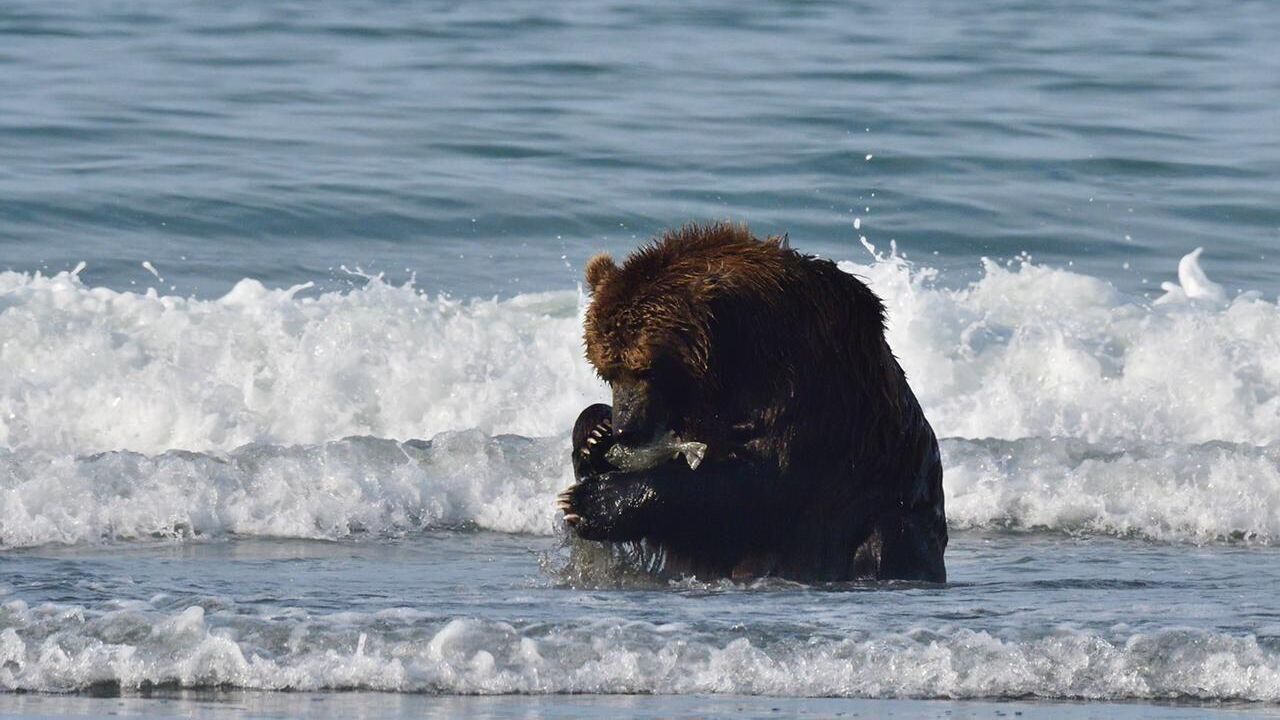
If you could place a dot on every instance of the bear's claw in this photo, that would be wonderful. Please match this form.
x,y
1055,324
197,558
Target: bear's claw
x,y
592,438
564,503
599,432
605,507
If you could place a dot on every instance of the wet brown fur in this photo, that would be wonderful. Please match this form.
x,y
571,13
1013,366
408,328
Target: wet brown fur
x,y
780,358
669,296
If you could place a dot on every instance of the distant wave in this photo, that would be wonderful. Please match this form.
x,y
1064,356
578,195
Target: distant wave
x,y
403,650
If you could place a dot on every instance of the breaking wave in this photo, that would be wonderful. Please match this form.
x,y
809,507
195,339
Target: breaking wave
x,y
136,645
91,369
368,486
1065,407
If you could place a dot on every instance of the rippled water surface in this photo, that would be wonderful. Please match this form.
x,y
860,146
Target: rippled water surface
x,y
466,612
298,420
491,147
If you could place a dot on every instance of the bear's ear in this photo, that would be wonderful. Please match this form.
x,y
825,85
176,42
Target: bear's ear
x,y
599,269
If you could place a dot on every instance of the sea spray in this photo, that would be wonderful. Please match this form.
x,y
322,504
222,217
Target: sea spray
x,y
1061,405
1024,351
91,369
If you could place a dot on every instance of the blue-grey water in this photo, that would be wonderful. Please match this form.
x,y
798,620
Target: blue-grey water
x,y
484,144
289,330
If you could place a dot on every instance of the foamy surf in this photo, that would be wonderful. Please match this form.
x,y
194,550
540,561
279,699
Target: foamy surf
x,y
333,490
1212,492
1024,351
1065,407
1032,351
1069,414
92,369
1101,414
134,645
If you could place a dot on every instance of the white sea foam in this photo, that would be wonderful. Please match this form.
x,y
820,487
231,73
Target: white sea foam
x,y
1031,351
1193,283
91,369
1172,492
326,491
1100,414
64,648
1025,351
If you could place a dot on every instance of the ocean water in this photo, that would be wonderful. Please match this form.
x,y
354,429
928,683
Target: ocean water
x,y
290,349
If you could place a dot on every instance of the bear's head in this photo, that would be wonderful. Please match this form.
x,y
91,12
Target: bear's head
x,y
670,329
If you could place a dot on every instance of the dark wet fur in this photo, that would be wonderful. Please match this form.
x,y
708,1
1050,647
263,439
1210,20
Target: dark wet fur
x,y
821,465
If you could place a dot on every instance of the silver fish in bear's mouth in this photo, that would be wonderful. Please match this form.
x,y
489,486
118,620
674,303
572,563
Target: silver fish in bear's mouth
x,y
642,457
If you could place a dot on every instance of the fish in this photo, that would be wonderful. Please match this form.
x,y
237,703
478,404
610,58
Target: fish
x,y
633,458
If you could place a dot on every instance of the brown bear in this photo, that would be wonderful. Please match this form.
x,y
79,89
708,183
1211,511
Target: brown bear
x,y
819,463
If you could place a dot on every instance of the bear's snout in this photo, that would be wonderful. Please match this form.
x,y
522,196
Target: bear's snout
x,y
635,420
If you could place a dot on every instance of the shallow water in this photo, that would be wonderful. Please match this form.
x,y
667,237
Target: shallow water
x,y
470,612
314,442
236,704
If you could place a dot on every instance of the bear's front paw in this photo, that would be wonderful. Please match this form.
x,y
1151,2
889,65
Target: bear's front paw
x,y
604,507
592,438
